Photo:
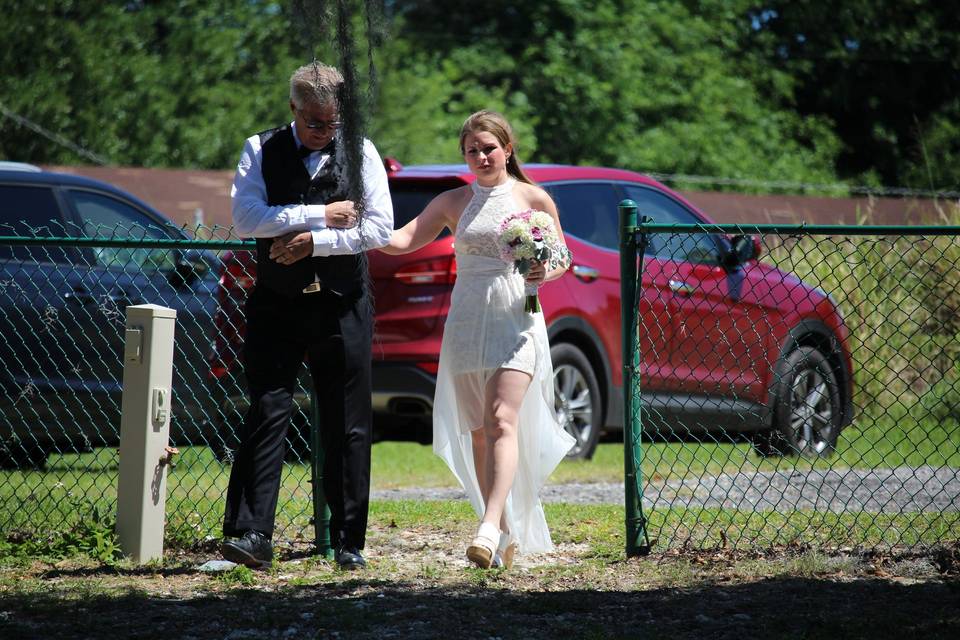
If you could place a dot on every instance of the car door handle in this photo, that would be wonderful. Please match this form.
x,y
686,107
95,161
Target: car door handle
x,y
79,296
682,288
585,274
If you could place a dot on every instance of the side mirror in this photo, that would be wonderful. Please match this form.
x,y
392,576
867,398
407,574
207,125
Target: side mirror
x,y
191,265
742,249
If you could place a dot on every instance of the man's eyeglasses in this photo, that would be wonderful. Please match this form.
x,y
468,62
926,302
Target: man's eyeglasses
x,y
320,124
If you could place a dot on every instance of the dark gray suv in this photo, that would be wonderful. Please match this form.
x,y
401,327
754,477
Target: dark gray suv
x,y
62,314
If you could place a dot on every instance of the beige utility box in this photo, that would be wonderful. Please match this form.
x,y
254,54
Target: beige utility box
x,y
145,430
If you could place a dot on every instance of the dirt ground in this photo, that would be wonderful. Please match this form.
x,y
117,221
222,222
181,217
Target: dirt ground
x,y
419,586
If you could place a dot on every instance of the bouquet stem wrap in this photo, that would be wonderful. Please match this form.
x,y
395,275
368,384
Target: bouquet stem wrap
x,y
532,300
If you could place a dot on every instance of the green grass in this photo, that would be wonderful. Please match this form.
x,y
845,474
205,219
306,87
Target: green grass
x,y
55,508
601,527
407,464
199,480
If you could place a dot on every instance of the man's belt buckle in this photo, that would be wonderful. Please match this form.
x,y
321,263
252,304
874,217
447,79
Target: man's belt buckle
x,y
313,287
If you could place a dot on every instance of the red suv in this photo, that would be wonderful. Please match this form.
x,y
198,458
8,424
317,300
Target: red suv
x,y
729,346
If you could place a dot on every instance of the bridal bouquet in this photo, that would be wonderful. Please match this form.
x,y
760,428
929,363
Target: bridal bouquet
x,y
524,237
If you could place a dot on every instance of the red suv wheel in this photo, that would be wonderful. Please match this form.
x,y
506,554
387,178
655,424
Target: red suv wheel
x,y
576,397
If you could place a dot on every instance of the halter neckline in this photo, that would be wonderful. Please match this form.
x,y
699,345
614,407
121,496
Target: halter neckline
x,y
497,189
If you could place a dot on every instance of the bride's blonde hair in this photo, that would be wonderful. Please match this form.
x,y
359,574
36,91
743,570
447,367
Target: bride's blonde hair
x,y
493,122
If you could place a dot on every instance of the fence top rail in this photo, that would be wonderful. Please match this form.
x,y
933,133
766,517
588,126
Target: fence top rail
x,y
801,229
140,243
641,227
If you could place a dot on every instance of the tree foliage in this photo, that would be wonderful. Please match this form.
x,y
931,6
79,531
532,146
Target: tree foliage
x,y
800,91
644,85
884,73
160,83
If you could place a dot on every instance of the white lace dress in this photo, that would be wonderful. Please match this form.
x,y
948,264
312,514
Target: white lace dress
x,y
487,329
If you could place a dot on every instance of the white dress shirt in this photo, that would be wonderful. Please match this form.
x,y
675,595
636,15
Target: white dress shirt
x,y
254,218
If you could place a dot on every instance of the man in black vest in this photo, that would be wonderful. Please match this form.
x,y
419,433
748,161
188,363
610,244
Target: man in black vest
x,y
310,300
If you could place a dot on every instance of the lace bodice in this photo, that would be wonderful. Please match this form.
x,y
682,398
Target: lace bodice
x,y
478,226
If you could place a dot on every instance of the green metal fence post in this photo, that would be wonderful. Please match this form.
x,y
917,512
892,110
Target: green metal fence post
x,y
637,541
321,512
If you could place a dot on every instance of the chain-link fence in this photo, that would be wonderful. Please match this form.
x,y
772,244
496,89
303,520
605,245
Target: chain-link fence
x,y
809,396
805,388
63,292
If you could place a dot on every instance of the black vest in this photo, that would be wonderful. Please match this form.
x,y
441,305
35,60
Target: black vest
x,y
288,182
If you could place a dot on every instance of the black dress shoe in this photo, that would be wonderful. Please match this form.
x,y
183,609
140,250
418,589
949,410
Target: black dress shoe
x,y
252,549
349,559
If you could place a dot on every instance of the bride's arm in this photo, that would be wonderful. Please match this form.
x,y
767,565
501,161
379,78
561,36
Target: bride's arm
x,y
423,229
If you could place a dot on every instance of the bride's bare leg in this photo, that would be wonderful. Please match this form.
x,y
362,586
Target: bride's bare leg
x,y
503,397
479,440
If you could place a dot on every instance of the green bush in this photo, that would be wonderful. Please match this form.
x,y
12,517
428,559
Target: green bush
x,y
900,297
92,535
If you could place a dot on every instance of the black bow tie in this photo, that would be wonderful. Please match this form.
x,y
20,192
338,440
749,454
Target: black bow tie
x,y
330,147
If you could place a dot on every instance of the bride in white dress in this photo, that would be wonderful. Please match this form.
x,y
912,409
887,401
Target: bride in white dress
x,y
493,418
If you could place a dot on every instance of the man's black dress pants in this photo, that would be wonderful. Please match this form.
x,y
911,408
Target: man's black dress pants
x,y
334,333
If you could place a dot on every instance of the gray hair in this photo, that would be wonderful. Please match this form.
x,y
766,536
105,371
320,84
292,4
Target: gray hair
x,y
315,83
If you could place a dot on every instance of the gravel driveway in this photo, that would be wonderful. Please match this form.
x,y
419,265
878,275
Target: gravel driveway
x,y
872,490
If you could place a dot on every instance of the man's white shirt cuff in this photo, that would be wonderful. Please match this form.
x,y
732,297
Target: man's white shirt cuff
x,y
315,216
324,242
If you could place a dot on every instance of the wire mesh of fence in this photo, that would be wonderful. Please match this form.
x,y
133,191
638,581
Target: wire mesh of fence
x,y
62,298
792,386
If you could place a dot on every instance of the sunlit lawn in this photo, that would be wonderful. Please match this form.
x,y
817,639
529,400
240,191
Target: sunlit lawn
x,y
76,484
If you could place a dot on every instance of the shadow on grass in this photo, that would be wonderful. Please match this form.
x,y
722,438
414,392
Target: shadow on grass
x,y
354,607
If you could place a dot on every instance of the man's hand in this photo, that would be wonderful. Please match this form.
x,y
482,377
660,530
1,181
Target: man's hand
x,y
292,247
341,214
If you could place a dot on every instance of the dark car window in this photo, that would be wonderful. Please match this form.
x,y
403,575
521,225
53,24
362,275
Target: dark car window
x,y
409,201
588,210
107,217
32,211
697,247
